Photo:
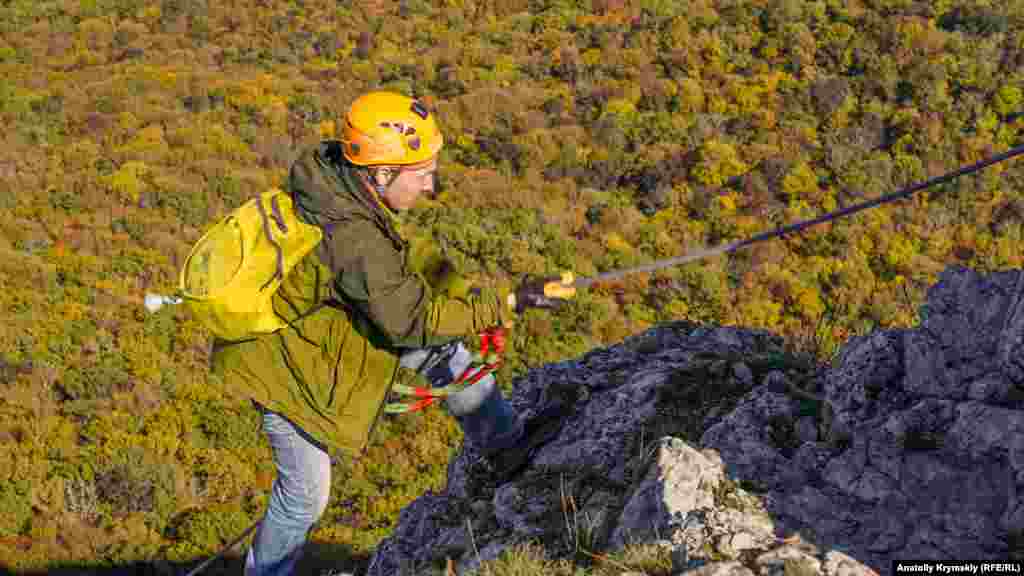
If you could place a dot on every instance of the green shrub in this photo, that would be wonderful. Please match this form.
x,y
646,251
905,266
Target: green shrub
x,y
15,506
228,426
136,481
97,380
981,21
204,530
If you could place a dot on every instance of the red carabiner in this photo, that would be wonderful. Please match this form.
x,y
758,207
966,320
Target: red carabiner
x,y
485,342
494,335
497,334
422,404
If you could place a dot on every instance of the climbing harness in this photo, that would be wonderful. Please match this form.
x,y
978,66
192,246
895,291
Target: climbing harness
x,y
484,361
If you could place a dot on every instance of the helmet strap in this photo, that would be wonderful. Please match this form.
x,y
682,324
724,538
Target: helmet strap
x,y
372,173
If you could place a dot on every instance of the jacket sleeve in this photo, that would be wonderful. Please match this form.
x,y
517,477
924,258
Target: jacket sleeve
x,y
388,286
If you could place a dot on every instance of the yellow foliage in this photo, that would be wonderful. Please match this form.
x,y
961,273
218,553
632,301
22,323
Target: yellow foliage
x,y
161,443
127,181
840,118
80,154
541,146
666,245
719,162
718,104
98,33
505,66
760,312
216,140
746,99
591,57
799,210
143,357
147,144
90,115
898,251
676,309
801,183
1008,100
522,260
167,78
691,95
320,65
727,203
228,474
128,121
111,430
326,129
808,301
614,242
1007,253
621,107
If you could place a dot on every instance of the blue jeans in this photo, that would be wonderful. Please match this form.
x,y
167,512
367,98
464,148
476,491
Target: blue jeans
x,y
302,487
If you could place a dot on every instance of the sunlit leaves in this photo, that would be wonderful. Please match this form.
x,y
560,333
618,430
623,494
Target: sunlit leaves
x,y
719,161
131,125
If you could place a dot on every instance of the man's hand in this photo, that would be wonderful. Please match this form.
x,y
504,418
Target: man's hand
x,y
547,293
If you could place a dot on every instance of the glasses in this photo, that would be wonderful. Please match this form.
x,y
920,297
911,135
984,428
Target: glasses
x,y
424,173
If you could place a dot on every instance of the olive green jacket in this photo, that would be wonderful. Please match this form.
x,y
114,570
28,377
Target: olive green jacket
x,y
330,371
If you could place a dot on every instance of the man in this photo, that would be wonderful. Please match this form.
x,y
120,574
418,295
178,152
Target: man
x,y
363,304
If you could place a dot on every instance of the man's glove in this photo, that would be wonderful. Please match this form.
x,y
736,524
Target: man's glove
x,y
547,293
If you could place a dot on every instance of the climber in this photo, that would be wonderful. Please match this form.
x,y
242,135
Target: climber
x,y
321,382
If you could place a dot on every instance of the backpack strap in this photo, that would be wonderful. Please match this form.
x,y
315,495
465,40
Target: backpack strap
x,y
270,238
328,229
275,209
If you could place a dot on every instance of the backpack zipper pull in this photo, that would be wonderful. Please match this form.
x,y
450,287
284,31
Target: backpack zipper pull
x,y
155,302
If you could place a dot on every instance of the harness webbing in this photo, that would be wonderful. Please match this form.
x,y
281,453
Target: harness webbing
x,y
485,361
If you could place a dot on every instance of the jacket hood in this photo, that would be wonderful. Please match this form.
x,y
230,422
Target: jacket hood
x,y
326,189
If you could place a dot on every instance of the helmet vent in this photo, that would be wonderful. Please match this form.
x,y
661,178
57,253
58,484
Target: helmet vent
x,y
420,109
399,127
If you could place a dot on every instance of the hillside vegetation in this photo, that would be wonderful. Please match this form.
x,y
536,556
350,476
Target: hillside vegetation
x,y
586,135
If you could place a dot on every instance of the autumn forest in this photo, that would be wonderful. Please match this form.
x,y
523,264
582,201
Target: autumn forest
x,y
583,135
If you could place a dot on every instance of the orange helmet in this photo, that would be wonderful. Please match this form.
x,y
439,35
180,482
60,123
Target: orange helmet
x,y
390,129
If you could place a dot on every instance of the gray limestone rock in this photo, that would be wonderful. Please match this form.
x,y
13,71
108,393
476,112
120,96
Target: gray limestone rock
x,y
692,436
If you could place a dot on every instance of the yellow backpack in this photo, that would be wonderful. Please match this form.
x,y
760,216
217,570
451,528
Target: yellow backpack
x,y
233,270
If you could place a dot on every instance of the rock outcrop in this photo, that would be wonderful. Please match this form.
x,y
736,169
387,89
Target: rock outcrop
x,y
712,442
